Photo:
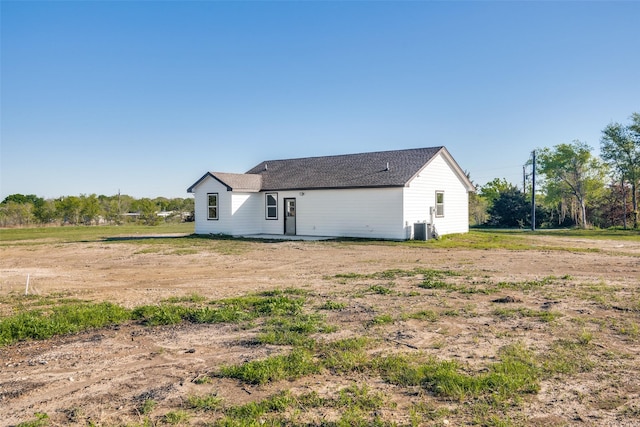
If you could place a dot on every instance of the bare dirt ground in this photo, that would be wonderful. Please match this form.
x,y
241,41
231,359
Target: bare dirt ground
x,y
102,376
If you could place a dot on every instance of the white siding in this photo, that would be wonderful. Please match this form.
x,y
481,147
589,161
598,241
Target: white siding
x,y
385,213
224,223
420,196
245,208
372,213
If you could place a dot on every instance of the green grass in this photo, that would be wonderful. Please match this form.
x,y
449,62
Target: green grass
x,y
428,386
379,289
542,315
428,315
568,357
344,356
147,406
515,374
59,320
193,298
382,319
522,240
69,234
176,417
357,406
332,305
209,402
292,330
39,318
294,365
41,420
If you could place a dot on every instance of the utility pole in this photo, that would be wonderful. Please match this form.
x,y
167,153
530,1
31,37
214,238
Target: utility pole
x,y
533,193
524,180
624,203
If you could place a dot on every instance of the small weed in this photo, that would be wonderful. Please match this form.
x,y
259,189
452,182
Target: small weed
x,y
428,315
383,319
543,315
379,289
204,379
147,406
438,344
176,417
585,337
359,398
42,420
194,298
351,276
423,411
433,283
628,328
528,284
332,305
209,402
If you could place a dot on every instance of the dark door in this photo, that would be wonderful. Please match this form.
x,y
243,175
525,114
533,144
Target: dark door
x,y
290,217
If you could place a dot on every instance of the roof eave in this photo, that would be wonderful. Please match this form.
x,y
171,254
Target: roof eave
x,y
351,187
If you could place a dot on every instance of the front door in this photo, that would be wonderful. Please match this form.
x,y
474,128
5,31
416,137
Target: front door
x,y
290,217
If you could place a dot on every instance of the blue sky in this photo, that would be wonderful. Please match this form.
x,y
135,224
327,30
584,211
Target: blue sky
x,y
145,97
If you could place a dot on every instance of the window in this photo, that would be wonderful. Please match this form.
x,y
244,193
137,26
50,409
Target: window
x,y
271,205
439,203
212,206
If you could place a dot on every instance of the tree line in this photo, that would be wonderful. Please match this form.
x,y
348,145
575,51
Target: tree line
x,y
24,210
573,186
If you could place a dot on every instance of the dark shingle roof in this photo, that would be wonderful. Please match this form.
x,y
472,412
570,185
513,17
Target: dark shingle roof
x,y
344,171
364,170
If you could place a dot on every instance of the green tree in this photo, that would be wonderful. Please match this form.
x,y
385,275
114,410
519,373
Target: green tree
x,y
477,209
509,209
148,212
16,213
493,189
573,177
68,209
46,212
620,149
90,209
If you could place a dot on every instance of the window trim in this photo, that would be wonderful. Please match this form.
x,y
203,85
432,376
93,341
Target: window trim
x,y
439,212
266,206
216,206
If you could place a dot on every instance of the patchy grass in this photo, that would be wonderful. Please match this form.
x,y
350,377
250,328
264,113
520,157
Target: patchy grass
x,y
515,374
367,355
59,320
542,315
294,365
69,234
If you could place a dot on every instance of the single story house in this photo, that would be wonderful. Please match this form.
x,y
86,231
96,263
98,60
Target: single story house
x,y
385,195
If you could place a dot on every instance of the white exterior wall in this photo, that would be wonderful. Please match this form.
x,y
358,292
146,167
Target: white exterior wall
x,y
386,213
420,196
224,223
238,213
369,213
245,208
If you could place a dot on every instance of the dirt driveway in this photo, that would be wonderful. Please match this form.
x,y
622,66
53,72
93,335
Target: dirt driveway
x,y
102,376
